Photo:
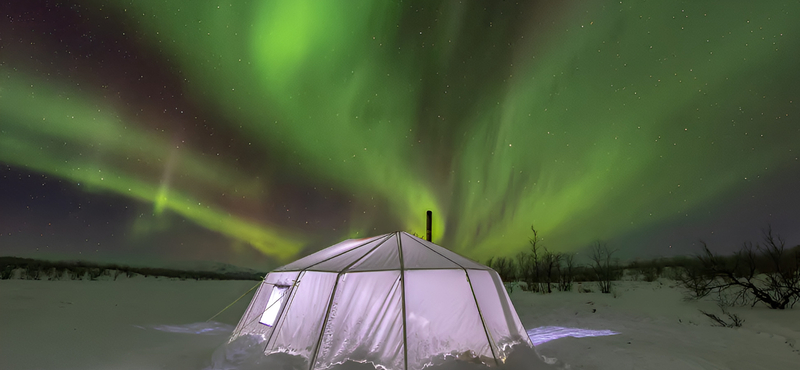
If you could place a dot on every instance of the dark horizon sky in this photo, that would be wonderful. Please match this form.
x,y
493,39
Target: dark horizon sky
x,y
255,132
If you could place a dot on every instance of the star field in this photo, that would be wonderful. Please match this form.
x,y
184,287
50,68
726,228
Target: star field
x,y
254,132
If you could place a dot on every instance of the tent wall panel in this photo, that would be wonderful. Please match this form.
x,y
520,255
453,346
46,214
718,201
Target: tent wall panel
x,y
442,318
503,328
298,327
249,323
365,321
508,309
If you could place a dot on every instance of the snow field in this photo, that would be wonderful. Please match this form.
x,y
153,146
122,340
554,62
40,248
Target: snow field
x,y
149,323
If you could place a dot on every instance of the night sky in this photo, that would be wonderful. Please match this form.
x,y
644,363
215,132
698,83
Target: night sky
x,y
253,132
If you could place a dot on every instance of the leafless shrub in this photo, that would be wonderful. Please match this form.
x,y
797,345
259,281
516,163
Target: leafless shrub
x,y
542,270
7,272
565,271
550,263
758,273
604,268
504,267
734,321
649,270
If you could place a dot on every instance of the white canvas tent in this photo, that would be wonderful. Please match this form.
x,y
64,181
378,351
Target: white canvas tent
x,y
395,300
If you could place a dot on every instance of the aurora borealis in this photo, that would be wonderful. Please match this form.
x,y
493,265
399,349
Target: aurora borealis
x,y
254,131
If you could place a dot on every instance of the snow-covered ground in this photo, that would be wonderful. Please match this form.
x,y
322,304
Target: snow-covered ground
x,y
149,323
658,329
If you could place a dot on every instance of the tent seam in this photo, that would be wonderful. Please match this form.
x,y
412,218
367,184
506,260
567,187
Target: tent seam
x,y
403,295
241,325
281,318
334,256
324,323
483,322
395,269
475,298
333,296
256,317
443,256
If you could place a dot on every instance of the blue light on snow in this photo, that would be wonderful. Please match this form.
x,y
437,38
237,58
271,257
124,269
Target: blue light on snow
x,y
545,334
201,328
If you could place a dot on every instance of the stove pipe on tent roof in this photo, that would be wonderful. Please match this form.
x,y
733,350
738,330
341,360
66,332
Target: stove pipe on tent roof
x,y
394,300
428,227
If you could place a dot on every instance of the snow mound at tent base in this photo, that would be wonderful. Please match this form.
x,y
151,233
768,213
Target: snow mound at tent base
x,y
247,353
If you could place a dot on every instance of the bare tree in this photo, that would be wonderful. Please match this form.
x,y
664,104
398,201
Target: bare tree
x,y
504,267
529,264
565,272
534,258
696,278
524,269
602,265
550,262
540,269
765,273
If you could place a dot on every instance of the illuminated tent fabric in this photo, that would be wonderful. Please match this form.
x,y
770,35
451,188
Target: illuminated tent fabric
x,y
395,300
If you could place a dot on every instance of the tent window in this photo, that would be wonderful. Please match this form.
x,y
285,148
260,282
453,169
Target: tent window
x,y
274,304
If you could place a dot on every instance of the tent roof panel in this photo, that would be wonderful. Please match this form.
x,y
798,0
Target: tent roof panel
x,y
381,253
344,260
416,256
433,249
326,254
385,257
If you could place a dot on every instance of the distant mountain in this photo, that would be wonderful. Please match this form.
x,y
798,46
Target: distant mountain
x,y
210,266
36,269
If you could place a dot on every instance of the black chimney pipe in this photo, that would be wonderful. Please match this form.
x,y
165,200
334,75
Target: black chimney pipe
x,y
428,231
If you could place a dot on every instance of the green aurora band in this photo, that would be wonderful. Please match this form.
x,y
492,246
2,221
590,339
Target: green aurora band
x,y
42,127
608,119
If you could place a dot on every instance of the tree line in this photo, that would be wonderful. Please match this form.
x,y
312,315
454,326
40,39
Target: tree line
x,y
35,269
544,271
765,273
